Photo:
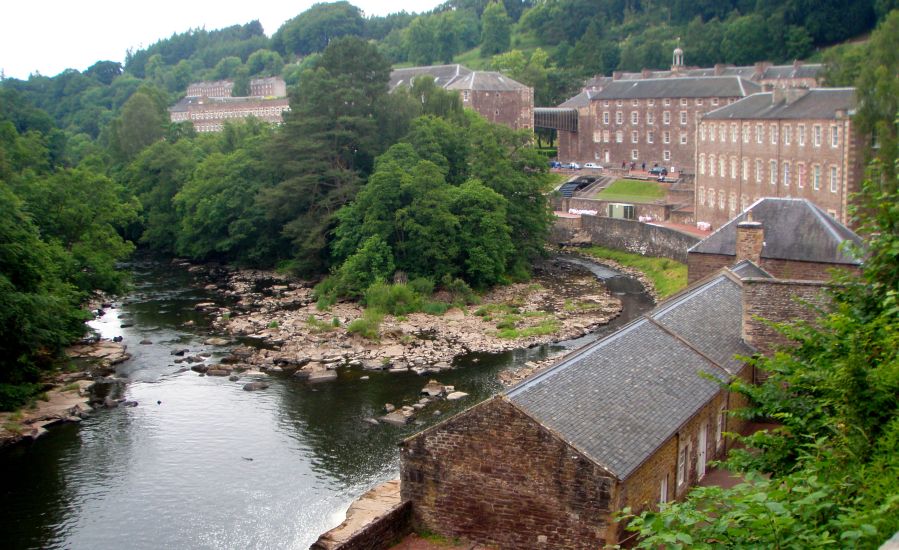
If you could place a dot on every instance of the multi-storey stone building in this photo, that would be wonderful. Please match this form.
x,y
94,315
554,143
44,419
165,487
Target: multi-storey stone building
x,y
493,95
786,143
651,121
208,105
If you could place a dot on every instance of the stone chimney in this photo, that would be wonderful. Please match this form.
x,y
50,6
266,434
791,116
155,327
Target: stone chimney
x,y
750,240
646,73
787,95
719,69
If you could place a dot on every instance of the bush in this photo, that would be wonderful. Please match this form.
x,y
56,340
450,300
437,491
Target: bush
x,y
422,286
14,396
325,293
368,325
459,290
393,299
435,308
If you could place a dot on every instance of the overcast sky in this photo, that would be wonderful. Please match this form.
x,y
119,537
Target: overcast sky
x,y
48,37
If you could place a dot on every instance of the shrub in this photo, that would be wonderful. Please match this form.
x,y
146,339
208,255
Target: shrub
x,y
397,299
423,286
435,308
368,325
14,396
325,293
459,290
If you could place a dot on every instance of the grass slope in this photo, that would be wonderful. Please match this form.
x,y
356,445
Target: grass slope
x,y
668,276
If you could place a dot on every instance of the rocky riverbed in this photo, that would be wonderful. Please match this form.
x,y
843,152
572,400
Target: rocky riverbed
x,y
284,331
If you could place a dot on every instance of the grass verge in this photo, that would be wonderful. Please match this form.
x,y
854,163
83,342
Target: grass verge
x,y
625,190
668,276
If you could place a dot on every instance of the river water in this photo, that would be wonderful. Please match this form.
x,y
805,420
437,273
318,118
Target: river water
x,y
200,463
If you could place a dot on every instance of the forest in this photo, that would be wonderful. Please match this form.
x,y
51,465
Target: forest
x,y
358,186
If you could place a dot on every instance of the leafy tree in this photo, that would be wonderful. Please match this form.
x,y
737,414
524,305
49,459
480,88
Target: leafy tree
x,y
745,39
241,87
496,30
104,71
421,42
327,142
265,63
315,28
143,121
227,67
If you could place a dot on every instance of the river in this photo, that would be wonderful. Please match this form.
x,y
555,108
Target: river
x,y
200,463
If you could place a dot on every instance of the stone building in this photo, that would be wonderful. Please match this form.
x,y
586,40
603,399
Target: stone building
x,y
789,238
648,120
209,114
494,96
272,86
787,143
631,420
208,105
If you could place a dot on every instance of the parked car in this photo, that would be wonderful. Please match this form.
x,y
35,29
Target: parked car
x,y
573,166
593,165
658,171
555,164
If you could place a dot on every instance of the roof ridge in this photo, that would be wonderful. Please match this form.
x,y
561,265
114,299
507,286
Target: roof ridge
x,y
689,344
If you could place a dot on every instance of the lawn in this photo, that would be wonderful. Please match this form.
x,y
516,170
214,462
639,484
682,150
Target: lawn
x,y
625,190
668,276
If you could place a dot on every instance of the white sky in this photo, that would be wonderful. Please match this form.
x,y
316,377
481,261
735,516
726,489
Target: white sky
x,y
50,36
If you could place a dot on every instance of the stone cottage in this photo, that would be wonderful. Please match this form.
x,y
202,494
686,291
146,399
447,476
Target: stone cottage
x,y
788,237
631,420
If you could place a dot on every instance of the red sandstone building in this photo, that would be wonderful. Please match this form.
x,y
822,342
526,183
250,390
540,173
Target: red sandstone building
x,y
650,121
494,96
786,143
209,105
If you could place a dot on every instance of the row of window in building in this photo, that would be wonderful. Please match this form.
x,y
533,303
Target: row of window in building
x,y
719,169
666,102
635,118
215,115
605,137
719,132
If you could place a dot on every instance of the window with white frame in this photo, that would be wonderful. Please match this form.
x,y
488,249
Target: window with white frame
x,y
666,102
683,118
650,102
733,201
605,136
702,132
682,456
816,177
666,117
713,132
745,131
650,137
772,172
650,118
745,169
786,179
711,165
720,424
635,102
817,135
683,102
605,103
834,179
711,198
619,117
634,154
699,101
683,138
619,137
773,131
800,175
700,198
722,199
666,137
714,101
663,490
597,136
788,135
605,117
635,117
800,130
733,133
721,166
619,103
759,133
834,136
722,132
666,155
744,202
733,168
635,137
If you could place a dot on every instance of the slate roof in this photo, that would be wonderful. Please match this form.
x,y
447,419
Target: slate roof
x,y
486,80
689,87
186,102
619,399
578,101
443,75
818,103
746,269
795,229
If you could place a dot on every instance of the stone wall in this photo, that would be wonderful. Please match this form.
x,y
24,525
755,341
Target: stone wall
x,y
512,108
638,238
779,301
699,265
494,476
381,534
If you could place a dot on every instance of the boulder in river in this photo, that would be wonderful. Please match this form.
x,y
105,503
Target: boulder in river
x,y
433,388
180,352
200,368
253,386
456,395
397,418
218,372
322,376
217,341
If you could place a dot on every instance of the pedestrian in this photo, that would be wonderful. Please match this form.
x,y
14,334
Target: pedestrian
x,y
644,165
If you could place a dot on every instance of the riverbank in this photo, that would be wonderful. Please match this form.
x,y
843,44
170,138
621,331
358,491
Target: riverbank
x,y
285,331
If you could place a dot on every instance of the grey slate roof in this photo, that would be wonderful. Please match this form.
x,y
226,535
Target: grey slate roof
x,y
818,103
746,269
621,398
795,229
689,87
443,75
576,102
485,80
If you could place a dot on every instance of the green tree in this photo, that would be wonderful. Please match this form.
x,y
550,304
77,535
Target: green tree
x,y
421,41
241,86
142,121
227,67
315,28
878,93
745,40
265,63
496,30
